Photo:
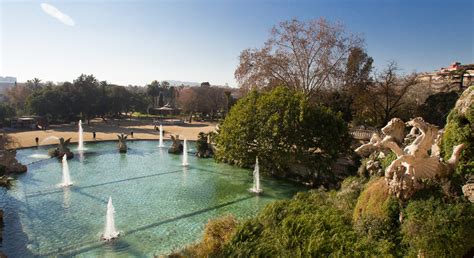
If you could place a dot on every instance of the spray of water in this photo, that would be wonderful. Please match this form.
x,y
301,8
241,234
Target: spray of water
x,y
66,177
110,232
185,153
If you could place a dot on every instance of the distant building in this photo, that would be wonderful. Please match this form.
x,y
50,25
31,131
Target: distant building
x,y
6,82
454,77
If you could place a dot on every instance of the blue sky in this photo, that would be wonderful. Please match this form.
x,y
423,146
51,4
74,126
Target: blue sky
x,y
135,42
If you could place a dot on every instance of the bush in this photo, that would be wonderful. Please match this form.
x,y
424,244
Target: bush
x,y
433,228
290,136
388,159
375,201
305,226
328,223
216,234
460,129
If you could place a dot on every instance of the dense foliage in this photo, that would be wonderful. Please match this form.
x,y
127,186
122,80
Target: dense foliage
x,y
85,97
434,228
321,223
460,129
290,136
6,112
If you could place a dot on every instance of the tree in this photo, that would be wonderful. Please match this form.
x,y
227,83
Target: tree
x,y
386,94
303,56
161,101
33,84
436,108
6,112
87,89
17,96
291,136
153,89
208,100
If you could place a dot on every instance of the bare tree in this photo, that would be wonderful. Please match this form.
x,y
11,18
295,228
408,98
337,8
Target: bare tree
x,y
303,56
388,92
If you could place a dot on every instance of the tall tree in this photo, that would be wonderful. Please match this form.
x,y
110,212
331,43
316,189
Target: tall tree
x,y
388,91
303,56
153,89
161,101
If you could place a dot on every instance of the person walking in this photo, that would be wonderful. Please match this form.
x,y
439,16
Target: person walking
x,y
93,135
37,141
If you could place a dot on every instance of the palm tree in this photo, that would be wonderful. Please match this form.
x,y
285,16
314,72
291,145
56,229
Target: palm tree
x,y
153,89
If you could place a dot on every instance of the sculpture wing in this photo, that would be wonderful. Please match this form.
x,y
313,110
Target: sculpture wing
x,y
426,167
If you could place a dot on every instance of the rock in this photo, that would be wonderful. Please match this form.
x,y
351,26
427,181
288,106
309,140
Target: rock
x,y
465,101
9,162
468,190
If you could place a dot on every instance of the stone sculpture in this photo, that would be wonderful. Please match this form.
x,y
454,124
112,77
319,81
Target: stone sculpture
x,y
176,147
122,144
62,149
418,160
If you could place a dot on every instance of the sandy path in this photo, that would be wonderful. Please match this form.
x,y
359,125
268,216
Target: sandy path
x,y
142,129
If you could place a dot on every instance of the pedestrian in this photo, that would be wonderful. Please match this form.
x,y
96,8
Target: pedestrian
x,y
131,134
93,135
37,141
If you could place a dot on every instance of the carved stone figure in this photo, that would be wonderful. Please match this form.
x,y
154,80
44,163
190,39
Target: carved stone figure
x,y
62,149
393,132
203,146
418,160
5,181
122,144
176,147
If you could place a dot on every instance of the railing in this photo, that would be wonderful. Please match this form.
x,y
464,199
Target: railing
x,y
362,134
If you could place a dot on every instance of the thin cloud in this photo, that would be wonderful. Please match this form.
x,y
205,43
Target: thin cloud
x,y
55,13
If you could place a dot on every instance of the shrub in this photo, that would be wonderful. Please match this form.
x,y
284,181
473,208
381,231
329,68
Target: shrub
x,y
433,228
290,136
305,226
375,201
387,160
460,129
216,233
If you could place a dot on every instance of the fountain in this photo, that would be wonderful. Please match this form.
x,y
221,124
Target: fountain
x,y
66,178
49,138
256,179
110,232
185,154
80,145
161,145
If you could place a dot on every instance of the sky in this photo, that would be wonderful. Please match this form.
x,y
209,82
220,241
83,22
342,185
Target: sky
x,y
136,41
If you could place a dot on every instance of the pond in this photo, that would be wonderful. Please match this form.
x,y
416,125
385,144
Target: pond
x,y
160,206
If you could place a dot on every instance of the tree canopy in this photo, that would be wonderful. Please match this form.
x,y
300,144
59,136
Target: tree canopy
x,y
290,136
303,56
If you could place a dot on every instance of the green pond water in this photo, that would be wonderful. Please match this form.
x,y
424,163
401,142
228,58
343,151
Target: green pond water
x,y
160,206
